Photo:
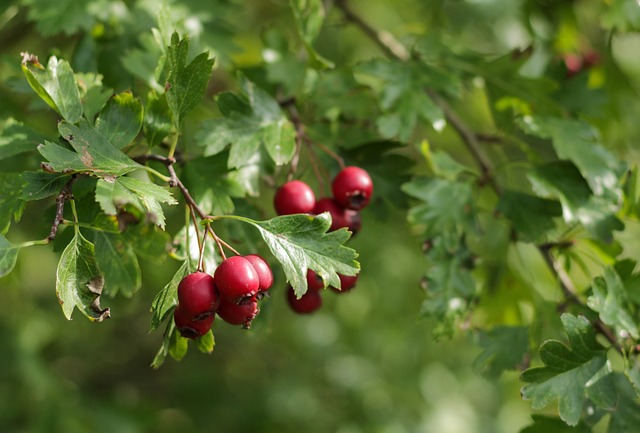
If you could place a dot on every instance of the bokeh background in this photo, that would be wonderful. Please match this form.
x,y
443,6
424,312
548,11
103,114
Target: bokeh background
x,y
366,362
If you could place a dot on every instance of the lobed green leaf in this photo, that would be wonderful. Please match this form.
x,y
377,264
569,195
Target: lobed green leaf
x,y
8,256
300,242
79,282
56,85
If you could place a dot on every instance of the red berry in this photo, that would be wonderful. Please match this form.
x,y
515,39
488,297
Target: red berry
x,y
236,279
188,326
239,314
294,197
352,220
197,295
314,282
308,303
352,188
265,276
337,212
346,283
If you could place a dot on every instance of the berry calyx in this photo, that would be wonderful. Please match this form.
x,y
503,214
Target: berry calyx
x,y
239,314
308,303
265,276
314,282
352,188
294,197
197,295
347,282
236,279
337,212
188,326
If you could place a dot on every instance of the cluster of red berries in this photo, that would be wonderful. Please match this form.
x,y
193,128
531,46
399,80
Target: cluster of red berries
x,y
352,189
232,293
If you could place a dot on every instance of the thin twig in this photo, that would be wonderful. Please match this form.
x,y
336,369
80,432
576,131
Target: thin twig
x,y
65,194
385,41
571,295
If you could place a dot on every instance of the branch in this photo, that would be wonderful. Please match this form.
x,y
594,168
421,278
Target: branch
x,y
571,294
385,40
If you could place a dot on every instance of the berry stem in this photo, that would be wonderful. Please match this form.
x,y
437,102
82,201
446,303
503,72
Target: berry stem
x,y
194,220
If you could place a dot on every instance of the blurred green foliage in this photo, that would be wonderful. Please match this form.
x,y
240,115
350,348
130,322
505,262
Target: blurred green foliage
x,y
367,361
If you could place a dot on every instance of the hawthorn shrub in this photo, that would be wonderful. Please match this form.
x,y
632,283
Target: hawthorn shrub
x,y
512,159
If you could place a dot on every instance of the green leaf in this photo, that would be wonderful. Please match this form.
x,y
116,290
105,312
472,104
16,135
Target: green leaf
x,y
610,300
622,15
309,16
579,142
567,371
178,346
531,216
56,85
625,416
167,298
211,184
547,424
401,96
447,204
149,242
11,205
62,16
40,184
147,62
118,263
146,196
120,121
448,284
93,94
300,242
157,118
94,151
250,120
206,343
167,338
79,282
15,138
504,349
8,256
563,180
186,82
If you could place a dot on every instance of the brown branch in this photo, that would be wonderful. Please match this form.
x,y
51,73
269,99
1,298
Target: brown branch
x,y
65,194
385,41
571,295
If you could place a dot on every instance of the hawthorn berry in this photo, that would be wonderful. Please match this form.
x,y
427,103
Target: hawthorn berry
x,y
197,295
239,314
337,212
294,197
188,326
314,282
352,188
236,279
308,303
347,282
265,276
